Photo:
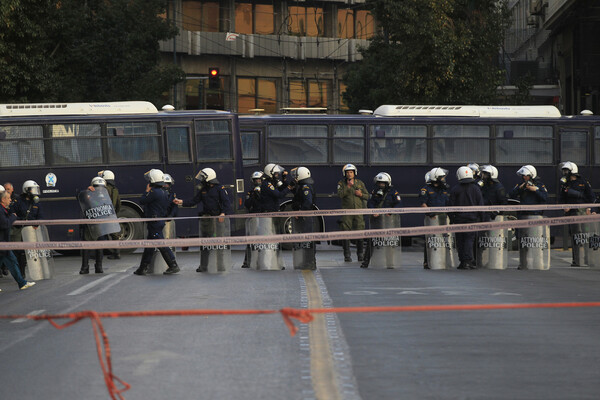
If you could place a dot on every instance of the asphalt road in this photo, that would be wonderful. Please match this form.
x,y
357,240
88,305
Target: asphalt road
x,y
550,353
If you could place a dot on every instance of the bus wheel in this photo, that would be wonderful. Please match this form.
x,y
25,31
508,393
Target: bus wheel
x,y
130,230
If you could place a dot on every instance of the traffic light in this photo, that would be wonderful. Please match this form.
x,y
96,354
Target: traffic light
x,y
214,79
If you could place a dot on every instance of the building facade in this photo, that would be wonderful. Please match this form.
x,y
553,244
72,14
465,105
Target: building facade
x,y
269,54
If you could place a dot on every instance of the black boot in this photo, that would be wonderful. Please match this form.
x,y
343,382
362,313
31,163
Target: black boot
x,y
173,268
346,245
360,249
142,269
85,259
98,266
85,269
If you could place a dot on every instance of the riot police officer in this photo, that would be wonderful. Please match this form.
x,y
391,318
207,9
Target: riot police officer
x,y
530,191
476,172
168,187
492,190
86,234
252,204
574,190
27,208
156,203
466,193
212,200
273,188
304,197
434,194
383,195
353,193
115,198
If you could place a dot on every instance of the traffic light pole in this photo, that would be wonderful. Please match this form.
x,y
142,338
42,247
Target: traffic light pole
x,y
201,101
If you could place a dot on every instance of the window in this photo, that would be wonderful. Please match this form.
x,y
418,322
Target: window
x,y
21,146
250,143
348,144
254,18
302,144
213,140
524,144
243,18
365,25
345,23
461,144
309,93
76,144
573,147
131,142
305,21
199,15
398,144
249,97
178,144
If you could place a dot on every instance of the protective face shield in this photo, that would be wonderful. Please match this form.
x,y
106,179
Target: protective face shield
x,y
207,175
276,172
155,177
256,178
383,177
428,177
464,175
569,168
490,171
98,181
268,169
169,180
438,175
108,176
32,189
475,168
527,170
349,167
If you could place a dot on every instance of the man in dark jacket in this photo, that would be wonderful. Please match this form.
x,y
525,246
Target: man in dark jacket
x,y
466,193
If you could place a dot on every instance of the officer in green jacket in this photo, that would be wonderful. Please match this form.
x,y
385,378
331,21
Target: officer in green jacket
x,y
354,194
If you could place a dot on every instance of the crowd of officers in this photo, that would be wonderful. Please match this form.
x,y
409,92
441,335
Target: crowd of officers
x,y
476,186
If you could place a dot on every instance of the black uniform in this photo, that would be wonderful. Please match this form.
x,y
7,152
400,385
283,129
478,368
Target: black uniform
x,y
465,194
27,210
304,200
271,195
527,197
575,191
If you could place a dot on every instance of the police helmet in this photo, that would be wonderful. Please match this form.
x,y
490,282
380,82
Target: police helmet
x,y
98,181
257,175
490,169
207,175
465,174
571,167
169,179
383,177
268,169
428,177
438,174
155,176
474,167
349,167
31,187
527,170
301,173
108,175
2,189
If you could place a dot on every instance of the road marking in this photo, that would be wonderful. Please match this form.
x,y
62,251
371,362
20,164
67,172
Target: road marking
x,y
92,284
19,320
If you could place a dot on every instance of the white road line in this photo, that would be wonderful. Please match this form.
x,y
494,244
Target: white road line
x,y
19,320
91,285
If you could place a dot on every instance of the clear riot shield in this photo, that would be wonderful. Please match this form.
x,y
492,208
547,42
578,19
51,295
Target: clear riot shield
x,y
385,252
158,264
592,249
98,206
304,253
492,249
441,247
264,256
579,239
534,246
40,264
215,258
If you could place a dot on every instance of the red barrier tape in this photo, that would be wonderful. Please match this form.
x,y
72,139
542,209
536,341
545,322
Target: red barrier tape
x,y
288,314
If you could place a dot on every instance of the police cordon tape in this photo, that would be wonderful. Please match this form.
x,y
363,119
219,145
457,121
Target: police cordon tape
x,y
324,213
303,315
221,242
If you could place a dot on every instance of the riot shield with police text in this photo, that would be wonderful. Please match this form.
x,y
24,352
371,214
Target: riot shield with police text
x,y
385,252
158,265
97,205
492,249
40,264
441,247
592,247
534,246
579,234
215,258
304,253
264,256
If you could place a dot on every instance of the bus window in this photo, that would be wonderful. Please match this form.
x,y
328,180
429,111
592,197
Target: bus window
x,y
213,140
250,148
132,142
461,144
76,144
297,144
348,144
21,145
398,144
178,144
573,147
524,144
597,145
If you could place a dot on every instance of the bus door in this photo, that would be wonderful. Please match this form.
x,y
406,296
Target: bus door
x,y
251,151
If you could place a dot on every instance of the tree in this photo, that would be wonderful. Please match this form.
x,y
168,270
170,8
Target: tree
x,y
430,52
98,50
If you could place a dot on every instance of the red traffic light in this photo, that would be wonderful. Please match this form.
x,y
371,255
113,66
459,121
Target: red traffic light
x,y
213,72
